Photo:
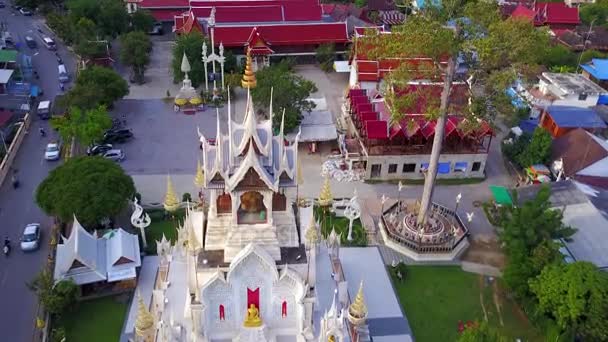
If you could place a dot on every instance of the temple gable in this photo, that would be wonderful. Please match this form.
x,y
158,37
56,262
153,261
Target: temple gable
x,y
251,181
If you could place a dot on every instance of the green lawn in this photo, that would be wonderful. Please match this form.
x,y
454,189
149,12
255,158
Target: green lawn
x,y
435,298
341,226
159,226
98,320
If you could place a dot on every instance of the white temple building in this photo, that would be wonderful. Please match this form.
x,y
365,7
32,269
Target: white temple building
x,y
86,258
244,270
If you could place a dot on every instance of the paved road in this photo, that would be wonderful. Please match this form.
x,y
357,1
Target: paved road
x,y
17,206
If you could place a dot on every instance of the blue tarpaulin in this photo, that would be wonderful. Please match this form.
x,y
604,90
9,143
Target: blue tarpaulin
x,y
528,126
602,100
568,116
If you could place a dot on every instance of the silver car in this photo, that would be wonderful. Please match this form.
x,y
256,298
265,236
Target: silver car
x,y
52,151
115,155
30,240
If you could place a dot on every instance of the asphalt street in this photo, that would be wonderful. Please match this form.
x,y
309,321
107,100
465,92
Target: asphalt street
x,y
18,305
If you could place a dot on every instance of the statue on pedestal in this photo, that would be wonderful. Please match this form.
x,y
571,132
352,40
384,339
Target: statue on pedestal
x,y
253,317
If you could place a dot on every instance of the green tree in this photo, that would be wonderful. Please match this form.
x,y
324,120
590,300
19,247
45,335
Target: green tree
x,y
142,20
596,13
527,233
90,188
87,127
326,55
104,84
577,296
481,332
588,55
500,51
55,298
112,18
135,52
62,26
190,44
290,93
559,56
538,151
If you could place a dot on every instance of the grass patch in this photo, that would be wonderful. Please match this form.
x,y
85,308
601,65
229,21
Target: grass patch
x,y
440,181
435,298
98,320
340,224
161,225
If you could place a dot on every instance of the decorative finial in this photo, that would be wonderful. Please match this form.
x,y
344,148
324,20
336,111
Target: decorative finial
x,y
193,244
204,51
199,178
171,203
357,311
249,80
145,321
185,68
211,20
221,49
325,197
312,236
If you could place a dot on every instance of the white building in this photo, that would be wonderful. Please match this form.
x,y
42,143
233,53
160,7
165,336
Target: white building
x,y
86,258
569,89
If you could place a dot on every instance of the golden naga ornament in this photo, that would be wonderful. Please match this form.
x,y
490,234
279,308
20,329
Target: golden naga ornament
x,y
253,317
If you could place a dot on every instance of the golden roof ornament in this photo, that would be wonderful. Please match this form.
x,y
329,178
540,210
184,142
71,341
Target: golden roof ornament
x,y
171,203
199,178
325,197
249,80
357,311
145,320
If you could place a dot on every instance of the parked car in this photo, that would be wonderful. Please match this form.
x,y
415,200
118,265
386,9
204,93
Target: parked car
x,y
25,11
2,4
117,136
16,7
94,150
52,151
115,155
30,240
157,30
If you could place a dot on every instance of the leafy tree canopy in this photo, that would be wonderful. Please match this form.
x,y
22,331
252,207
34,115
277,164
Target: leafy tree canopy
x,y
191,44
86,127
326,55
596,13
538,151
110,16
98,86
577,296
559,55
135,52
55,298
91,188
481,332
142,21
290,93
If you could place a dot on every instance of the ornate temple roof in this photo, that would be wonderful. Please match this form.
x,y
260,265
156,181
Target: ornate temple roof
x,y
248,145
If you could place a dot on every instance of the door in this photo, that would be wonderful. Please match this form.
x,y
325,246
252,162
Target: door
x,y
376,170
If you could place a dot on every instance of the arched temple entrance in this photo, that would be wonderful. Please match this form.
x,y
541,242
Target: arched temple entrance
x,y
252,209
224,204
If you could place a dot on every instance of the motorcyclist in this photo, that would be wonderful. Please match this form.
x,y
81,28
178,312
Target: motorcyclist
x,y
7,241
42,132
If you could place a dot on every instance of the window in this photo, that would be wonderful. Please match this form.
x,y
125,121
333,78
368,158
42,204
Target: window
x,y
284,309
376,169
476,166
582,96
443,168
222,313
392,168
409,168
461,167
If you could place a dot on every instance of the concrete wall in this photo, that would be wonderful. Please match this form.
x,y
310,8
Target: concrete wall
x,y
8,159
568,99
418,160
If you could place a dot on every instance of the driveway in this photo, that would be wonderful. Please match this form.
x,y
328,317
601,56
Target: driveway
x,y
17,207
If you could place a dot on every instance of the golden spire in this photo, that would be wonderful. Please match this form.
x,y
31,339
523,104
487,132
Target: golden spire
x,y
171,203
248,80
145,320
199,178
357,311
325,197
193,244
312,236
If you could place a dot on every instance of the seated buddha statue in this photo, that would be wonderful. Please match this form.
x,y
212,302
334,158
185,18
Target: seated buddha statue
x,y
253,317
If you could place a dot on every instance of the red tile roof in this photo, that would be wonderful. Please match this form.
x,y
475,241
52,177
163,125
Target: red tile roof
x,y
259,10
163,4
264,13
166,14
186,23
522,11
556,13
287,34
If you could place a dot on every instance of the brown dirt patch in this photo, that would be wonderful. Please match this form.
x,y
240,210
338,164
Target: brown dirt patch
x,y
485,251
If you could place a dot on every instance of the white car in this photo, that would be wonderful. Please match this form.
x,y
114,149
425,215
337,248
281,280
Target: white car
x,y
115,155
52,151
30,240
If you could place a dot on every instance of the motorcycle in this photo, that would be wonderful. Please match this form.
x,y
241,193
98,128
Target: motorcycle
x,y
42,133
15,183
7,248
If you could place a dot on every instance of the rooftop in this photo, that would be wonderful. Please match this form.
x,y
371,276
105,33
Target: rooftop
x,y
579,150
8,56
571,83
572,117
598,68
289,255
5,75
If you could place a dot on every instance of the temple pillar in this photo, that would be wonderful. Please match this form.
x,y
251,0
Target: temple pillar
x,y
267,195
236,204
213,204
196,314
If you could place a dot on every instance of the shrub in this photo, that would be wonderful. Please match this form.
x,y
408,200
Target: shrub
x,y
186,197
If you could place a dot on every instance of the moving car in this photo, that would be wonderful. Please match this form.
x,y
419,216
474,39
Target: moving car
x,y
94,150
52,151
115,155
30,42
44,109
25,11
30,240
64,77
117,136
49,43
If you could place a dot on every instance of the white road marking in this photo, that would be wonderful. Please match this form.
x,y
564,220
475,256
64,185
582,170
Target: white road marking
x,y
36,54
